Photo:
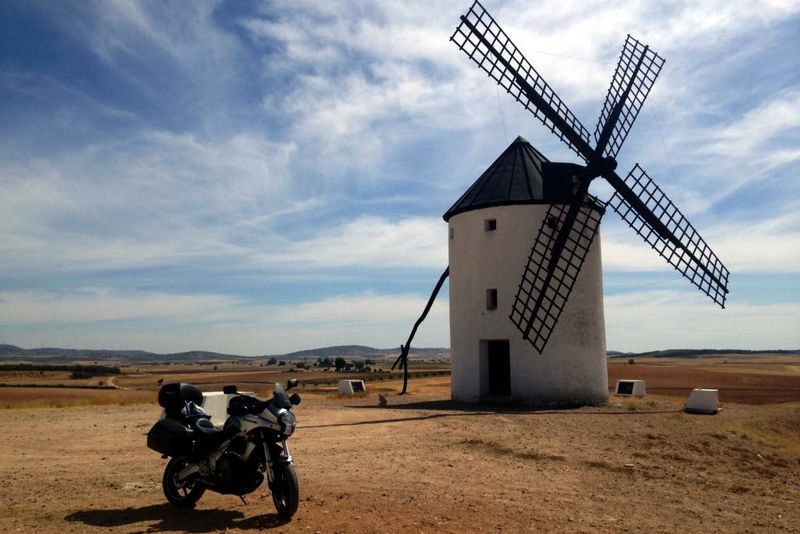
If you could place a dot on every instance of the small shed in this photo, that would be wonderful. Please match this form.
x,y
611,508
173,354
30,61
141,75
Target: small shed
x,y
703,401
350,386
630,388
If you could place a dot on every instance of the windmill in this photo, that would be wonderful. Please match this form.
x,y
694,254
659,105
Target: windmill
x,y
568,228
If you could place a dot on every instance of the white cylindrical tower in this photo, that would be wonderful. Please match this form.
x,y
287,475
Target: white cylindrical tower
x,y
491,231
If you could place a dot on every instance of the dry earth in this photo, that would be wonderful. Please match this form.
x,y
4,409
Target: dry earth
x,y
425,464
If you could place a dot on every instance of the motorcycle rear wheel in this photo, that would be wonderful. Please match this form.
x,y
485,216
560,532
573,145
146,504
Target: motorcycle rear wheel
x,y
285,490
183,495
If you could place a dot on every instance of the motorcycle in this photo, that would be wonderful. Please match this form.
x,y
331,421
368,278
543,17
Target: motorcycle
x,y
228,460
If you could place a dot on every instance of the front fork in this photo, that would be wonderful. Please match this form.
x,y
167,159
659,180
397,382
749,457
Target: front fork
x,y
286,458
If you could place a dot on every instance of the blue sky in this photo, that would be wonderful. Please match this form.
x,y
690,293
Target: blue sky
x,y
264,177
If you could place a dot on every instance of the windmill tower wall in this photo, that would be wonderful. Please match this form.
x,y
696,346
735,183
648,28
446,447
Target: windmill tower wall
x,y
572,369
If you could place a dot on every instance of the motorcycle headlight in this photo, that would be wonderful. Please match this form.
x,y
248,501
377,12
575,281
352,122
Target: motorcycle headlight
x,y
288,422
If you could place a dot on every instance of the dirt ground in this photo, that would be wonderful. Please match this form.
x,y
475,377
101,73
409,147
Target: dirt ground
x,y
425,464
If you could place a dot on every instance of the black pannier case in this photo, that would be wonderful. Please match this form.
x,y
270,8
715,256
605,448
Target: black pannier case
x,y
170,437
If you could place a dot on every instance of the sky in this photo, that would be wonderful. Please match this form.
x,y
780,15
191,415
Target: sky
x,y
263,177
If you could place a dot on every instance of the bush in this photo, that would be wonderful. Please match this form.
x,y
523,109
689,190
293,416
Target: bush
x,y
90,370
631,361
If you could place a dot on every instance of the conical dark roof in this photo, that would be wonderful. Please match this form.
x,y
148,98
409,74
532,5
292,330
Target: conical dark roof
x,y
514,178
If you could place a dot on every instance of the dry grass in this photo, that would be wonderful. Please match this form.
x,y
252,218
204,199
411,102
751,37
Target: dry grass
x,y
782,434
21,397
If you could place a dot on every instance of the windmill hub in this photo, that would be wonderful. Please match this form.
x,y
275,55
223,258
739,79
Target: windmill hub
x,y
609,165
600,167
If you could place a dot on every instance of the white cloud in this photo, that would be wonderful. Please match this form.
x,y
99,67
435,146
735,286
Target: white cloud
x,y
766,246
162,322
369,76
89,305
770,245
369,242
675,319
150,199
753,145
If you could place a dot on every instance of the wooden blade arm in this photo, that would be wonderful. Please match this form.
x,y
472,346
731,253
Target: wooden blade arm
x,y
538,100
655,223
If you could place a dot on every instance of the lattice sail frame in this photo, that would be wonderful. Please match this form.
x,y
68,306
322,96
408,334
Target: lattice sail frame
x,y
478,28
711,279
637,63
540,321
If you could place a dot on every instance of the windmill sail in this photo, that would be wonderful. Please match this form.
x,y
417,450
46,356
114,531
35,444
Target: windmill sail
x,y
568,230
548,278
636,72
485,42
658,221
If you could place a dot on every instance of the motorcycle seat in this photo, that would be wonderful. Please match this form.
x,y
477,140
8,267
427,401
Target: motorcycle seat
x,y
206,428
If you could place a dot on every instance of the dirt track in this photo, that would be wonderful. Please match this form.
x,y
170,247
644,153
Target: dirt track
x,y
428,465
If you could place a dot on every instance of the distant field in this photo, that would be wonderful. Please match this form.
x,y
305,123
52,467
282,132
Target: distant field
x,y
751,380
139,383
745,380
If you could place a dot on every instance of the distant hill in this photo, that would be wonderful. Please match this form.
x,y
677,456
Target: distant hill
x,y
11,352
360,351
699,353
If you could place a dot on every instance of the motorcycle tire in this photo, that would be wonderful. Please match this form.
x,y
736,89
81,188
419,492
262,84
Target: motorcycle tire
x,y
285,490
182,496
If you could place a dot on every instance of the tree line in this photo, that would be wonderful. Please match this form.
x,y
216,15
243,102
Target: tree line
x,y
78,371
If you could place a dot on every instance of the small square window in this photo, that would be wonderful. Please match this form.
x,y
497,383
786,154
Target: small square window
x,y
452,232
490,225
491,299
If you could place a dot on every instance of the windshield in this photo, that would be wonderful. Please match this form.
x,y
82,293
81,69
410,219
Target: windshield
x,y
280,397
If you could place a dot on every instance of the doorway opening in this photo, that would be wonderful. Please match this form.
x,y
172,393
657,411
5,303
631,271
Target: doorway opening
x,y
499,356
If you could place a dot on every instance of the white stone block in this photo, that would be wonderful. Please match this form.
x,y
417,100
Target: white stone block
x,y
351,387
630,388
702,400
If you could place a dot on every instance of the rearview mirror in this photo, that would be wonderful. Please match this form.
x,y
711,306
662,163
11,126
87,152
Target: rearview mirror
x,y
292,383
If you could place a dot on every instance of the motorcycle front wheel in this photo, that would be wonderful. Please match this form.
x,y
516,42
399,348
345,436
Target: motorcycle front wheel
x,y
285,490
182,495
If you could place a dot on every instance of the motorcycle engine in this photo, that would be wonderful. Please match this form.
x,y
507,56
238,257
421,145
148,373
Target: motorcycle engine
x,y
230,466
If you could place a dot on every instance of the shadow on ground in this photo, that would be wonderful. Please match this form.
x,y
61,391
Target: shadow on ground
x,y
169,518
446,408
490,408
